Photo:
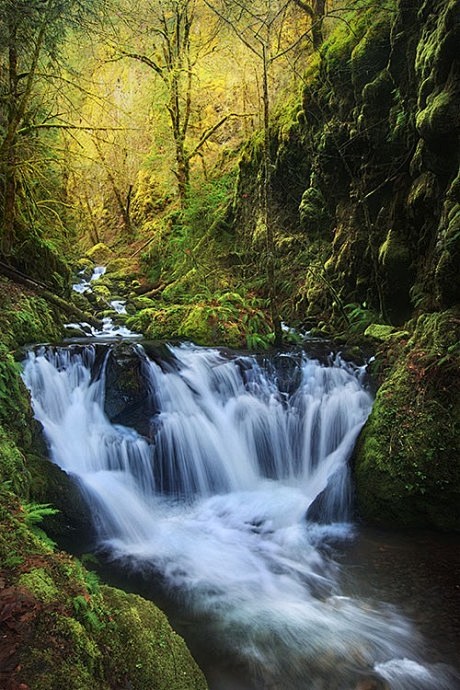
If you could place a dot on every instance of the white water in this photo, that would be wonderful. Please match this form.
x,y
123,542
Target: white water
x,y
215,506
84,285
109,330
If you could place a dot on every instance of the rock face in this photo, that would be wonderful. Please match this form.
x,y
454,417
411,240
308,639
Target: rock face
x,y
127,398
407,464
365,183
365,194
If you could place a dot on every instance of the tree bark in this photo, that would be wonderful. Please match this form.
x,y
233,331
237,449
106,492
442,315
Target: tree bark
x,y
270,243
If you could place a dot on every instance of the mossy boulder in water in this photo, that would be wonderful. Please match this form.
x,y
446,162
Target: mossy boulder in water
x,y
407,465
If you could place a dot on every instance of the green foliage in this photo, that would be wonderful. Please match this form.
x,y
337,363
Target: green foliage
x,y
220,319
33,515
40,583
360,316
86,614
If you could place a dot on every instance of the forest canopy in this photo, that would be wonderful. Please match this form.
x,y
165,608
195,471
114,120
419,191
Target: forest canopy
x,y
103,103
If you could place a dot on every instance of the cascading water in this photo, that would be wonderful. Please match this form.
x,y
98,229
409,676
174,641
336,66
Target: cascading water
x,y
214,505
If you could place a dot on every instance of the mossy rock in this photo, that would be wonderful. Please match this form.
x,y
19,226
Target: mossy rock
x,y
71,527
371,54
15,411
159,323
127,400
439,118
13,469
379,90
179,289
424,191
26,318
100,253
140,645
40,584
74,634
86,265
407,465
142,302
101,291
121,264
447,274
314,217
396,260
199,325
383,332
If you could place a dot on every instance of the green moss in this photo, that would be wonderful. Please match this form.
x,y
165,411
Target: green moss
x,y
100,253
198,325
15,412
406,468
440,116
13,471
26,318
447,275
101,291
77,635
314,217
383,332
370,55
62,655
140,645
394,257
160,323
40,584
378,91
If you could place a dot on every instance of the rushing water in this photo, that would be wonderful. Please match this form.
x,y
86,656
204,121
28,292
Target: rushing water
x,y
230,505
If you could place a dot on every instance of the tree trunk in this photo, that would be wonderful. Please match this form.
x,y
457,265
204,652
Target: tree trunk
x,y
9,208
319,8
270,243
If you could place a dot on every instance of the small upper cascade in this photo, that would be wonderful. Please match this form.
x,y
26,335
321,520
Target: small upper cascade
x,y
108,330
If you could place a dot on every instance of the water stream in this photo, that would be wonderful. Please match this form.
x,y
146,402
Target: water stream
x,y
230,505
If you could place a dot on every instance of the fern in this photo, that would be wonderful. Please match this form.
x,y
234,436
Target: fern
x,y
33,514
86,614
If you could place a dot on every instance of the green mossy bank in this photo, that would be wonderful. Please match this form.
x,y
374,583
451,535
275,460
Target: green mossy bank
x,y
60,627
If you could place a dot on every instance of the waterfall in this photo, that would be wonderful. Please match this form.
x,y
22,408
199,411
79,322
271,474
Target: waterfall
x,y
214,502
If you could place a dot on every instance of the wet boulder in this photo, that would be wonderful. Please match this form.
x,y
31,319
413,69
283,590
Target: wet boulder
x,y
127,399
71,527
